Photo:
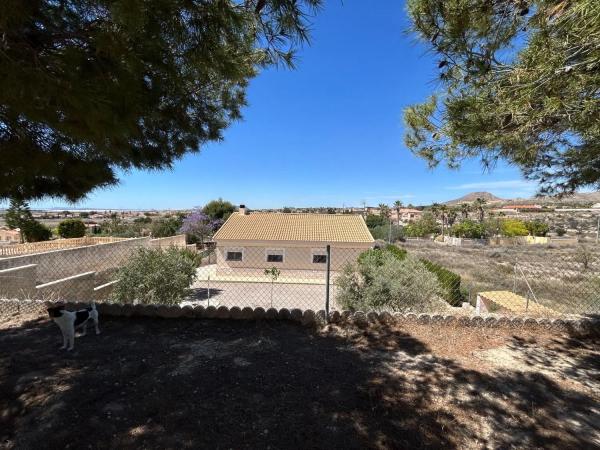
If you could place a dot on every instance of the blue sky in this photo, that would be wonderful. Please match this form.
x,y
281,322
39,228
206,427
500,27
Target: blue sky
x,y
328,133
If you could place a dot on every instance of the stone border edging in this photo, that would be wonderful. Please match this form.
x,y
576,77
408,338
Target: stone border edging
x,y
309,317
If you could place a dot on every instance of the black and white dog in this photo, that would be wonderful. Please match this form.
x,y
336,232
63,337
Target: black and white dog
x,y
69,321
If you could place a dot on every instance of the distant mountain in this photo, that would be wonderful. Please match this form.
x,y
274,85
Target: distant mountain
x,y
580,198
470,198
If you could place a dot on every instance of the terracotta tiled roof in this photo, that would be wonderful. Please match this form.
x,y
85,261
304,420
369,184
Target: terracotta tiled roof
x,y
295,227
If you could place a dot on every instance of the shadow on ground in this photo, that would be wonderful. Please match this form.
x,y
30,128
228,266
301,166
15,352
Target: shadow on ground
x,y
189,383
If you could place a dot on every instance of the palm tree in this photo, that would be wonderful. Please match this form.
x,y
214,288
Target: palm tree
x,y
397,206
478,204
435,209
465,209
444,213
451,216
384,210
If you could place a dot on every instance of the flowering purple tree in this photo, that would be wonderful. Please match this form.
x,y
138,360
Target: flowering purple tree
x,y
199,226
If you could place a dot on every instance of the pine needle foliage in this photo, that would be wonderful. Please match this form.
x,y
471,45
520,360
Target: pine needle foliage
x,y
519,81
89,88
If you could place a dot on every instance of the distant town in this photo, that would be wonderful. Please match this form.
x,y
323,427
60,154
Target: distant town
x,y
575,215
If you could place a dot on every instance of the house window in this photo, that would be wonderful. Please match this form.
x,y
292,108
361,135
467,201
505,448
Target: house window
x,y
319,259
275,256
234,256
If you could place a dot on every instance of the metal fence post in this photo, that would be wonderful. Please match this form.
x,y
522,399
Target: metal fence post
x,y
327,281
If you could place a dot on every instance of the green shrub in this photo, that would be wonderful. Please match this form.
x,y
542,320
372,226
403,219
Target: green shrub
x,y
426,225
468,229
561,231
514,227
398,252
383,232
71,228
377,255
379,280
374,220
156,276
165,227
537,228
34,231
449,282
194,255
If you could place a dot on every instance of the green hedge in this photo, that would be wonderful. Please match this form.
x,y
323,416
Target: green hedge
x,y
397,252
449,281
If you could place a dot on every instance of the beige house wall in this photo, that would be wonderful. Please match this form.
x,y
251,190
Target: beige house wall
x,y
297,255
7,235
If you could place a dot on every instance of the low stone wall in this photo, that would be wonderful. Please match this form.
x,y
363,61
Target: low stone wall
x,y
58,264
171,241
464,242
56,244
583,326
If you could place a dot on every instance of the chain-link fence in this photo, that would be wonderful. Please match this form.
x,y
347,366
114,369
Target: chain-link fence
x,y
521,280
416,277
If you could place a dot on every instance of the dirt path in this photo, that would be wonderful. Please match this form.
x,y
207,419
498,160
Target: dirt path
x,y
151,383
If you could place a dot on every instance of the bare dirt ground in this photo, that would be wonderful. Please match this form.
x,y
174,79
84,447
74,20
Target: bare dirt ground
x,y
566,280
155,383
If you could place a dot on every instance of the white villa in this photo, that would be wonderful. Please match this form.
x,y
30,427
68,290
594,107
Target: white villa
x,y
297,242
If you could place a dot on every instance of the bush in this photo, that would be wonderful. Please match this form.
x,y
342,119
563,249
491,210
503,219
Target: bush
x,y
379,280
71,228
514,227
426,225
383,232
398,252
374,220
119,228
34,231
377,255
561,231
468,229
537,228
156,276
165,227
218,209
449,282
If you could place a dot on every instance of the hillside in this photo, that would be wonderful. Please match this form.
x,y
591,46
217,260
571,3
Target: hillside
x,y
580,198
471,197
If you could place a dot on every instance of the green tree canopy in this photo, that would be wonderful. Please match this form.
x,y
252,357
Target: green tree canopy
x,y
88,88
218,209
71,228
468,229
426,225
537,228
374,220
514,227
17,214
520,81
34,231
166,226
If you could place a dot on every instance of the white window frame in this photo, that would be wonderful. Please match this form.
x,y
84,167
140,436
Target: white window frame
x,y
274,251
318,251
234,249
